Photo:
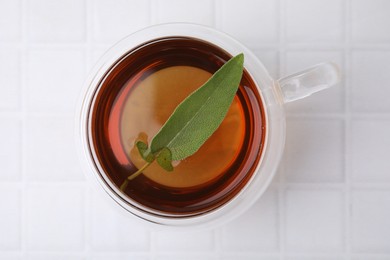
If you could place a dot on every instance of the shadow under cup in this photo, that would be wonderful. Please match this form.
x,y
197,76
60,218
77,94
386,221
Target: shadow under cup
x,y
132,101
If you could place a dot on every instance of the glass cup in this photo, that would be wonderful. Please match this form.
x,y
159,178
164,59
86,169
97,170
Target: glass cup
x,y
274,93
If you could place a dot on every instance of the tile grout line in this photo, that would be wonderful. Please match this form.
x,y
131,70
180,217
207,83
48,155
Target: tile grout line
x,y
88,58
23,89
299,115
301,47
282,181
375,186
347,130
343,115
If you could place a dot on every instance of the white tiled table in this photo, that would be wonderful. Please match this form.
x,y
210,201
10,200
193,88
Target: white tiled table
x,y
331,197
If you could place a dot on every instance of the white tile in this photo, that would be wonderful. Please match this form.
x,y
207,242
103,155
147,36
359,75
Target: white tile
x,y
251,21
95,55
314,257
9,79
370,80
121,256
178,241
370,150
53,256
314,220
246,257
270,60
319,21
56,21
200,11
279,172
51,153
370,216
55,218
54,80
370,21
113,230
370,257
327,101
314,150
10,205
185,256
256,229
10,20
113,21
10,150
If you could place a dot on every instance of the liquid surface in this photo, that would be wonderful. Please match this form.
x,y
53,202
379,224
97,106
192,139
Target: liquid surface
x,y
135,98
162,92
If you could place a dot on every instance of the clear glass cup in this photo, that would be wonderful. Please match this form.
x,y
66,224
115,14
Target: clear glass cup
x,y
274,93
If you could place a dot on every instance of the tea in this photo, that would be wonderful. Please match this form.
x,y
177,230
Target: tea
x,y
136,97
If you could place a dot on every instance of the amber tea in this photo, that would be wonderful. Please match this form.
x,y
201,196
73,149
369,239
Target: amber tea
x,y
136,97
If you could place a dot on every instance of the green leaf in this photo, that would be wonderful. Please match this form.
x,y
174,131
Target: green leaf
x,y
144,151
194,120
164,159
197,117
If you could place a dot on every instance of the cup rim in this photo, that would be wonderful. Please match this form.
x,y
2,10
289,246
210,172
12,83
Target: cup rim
x,y
274,118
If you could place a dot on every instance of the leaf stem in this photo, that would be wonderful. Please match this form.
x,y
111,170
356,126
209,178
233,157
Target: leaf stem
x,y
133,176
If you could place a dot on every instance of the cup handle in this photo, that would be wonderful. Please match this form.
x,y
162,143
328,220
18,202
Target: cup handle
x,y
309,81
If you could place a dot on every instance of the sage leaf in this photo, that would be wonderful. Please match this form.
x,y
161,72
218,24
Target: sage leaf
x,y
194,120
197,117
144,151
164,159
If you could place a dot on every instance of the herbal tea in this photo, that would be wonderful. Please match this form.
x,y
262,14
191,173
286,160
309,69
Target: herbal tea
x,y
135,99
